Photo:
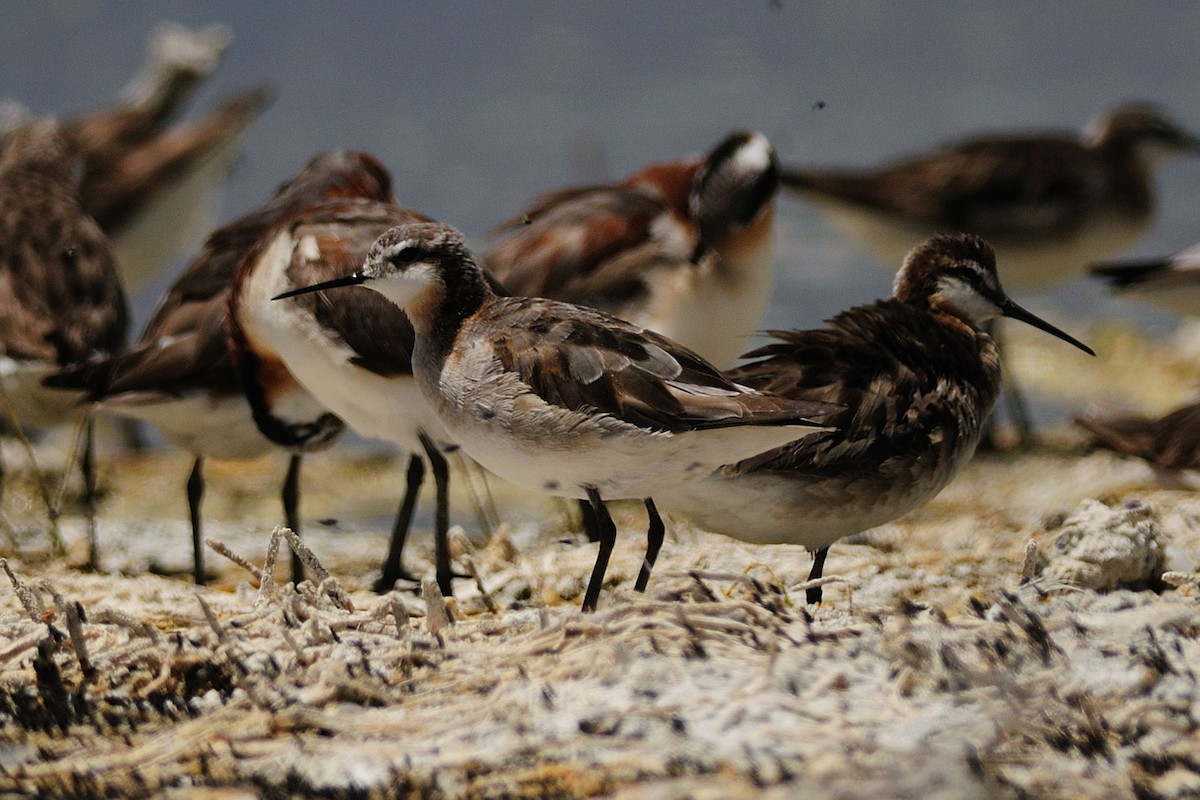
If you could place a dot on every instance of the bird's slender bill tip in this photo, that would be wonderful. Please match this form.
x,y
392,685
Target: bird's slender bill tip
x,y
350,280
1014,311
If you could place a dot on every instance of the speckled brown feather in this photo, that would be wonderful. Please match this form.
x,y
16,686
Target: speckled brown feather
x,y
899,378
585,360
1002,187
60,297
996,188
590,245
186,343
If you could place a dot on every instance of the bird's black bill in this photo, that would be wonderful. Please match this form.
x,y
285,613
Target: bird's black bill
x,y
349,280
1014,311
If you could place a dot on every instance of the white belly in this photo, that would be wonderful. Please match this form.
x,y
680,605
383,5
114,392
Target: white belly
x,y
390,408
715,313
222,427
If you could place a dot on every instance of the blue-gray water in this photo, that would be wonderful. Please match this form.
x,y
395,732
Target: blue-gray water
x,y
476,107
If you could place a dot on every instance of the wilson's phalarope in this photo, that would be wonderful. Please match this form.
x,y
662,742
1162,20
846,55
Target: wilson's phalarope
x,y
682,248
916,376
181,376
352,350
1050,204
154,184
1172,283
60,296
561,399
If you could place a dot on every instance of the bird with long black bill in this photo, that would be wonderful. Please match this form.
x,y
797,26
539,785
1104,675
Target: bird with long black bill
x,y
683,248
351,349
561,399
915,375
181,376
1049,203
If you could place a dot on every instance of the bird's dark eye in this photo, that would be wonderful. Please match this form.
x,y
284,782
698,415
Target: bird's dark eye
x,y
68,255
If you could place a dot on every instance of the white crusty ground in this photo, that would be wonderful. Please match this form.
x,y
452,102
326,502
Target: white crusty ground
x,y
958,654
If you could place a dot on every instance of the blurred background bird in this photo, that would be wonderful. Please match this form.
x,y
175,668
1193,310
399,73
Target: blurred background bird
x,y
1050,203
153,181
61,301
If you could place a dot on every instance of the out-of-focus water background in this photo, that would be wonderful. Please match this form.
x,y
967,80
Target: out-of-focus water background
x,y
476,107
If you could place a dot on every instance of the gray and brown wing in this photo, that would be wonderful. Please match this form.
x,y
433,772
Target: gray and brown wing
x,y
584,360
996,188
589,246
331,242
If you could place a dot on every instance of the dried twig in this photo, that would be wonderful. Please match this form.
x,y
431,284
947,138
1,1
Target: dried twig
x,y
399,614
1181,579
326,583
221,548
31,601
74,615
437,616
266,578
1029,565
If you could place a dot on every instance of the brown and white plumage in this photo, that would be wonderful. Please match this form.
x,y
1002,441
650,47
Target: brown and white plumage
x,y
915,376
61,301
1050,204
351,349
182,376
62,298
683,248
561,399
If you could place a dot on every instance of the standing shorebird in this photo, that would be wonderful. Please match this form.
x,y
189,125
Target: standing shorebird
x,y
1050,204
352,349
916,376
561,399
153,183
181,376
60,296
682,248
1172,283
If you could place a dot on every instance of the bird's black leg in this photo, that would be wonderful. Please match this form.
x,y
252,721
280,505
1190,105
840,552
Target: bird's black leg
x,y
88,468
654,543
441,519
393,566
813,595
587,518
608,539
291,510
195,493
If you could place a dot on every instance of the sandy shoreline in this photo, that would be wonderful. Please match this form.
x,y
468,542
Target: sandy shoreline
x,y
932,669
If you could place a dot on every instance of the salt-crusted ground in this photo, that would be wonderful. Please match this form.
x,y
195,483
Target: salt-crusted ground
x,y
1014,638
